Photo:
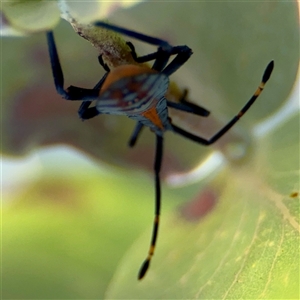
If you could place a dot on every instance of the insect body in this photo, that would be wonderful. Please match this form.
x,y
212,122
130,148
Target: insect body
x,y
139,92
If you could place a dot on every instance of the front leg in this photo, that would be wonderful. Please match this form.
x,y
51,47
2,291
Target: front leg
x,y
71,93
162,56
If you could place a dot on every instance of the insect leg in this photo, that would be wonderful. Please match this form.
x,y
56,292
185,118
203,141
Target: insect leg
x,y
162,57
103,64
136,132
164,50
223,130
183,54
141,59
139,36
85,112
151,56
72,93
194,106
190,108
157,167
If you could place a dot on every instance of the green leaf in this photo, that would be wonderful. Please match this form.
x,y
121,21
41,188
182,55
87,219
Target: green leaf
x,y
64,234
247,247
24,17
31,16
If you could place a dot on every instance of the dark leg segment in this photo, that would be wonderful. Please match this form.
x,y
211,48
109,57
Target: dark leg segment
x,y
220,133
103,64
55,65
72,93
85,112
141,59
151,56
157,167
202,111
187,106
163,54
184,53
139,36
190,108
136,132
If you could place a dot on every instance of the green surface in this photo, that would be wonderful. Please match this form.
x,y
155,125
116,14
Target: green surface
x,y
31,16
63,237
246,248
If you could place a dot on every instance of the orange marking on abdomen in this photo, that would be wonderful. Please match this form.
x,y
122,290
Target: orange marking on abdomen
x,y
124,71
152,115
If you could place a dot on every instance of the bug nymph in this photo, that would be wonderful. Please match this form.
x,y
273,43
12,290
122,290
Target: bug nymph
x,y
139,92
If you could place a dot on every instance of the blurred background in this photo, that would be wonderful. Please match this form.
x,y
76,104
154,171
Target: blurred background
x,y
74,196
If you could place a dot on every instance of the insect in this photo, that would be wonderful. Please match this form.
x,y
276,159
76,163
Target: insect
x,y
138,91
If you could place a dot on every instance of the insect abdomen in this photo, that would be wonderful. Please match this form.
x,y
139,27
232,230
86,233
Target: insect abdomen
x,y
133,95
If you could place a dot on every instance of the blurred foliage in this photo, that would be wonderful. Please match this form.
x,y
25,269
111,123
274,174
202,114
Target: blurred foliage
x,y
63,237
29,16
21,17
